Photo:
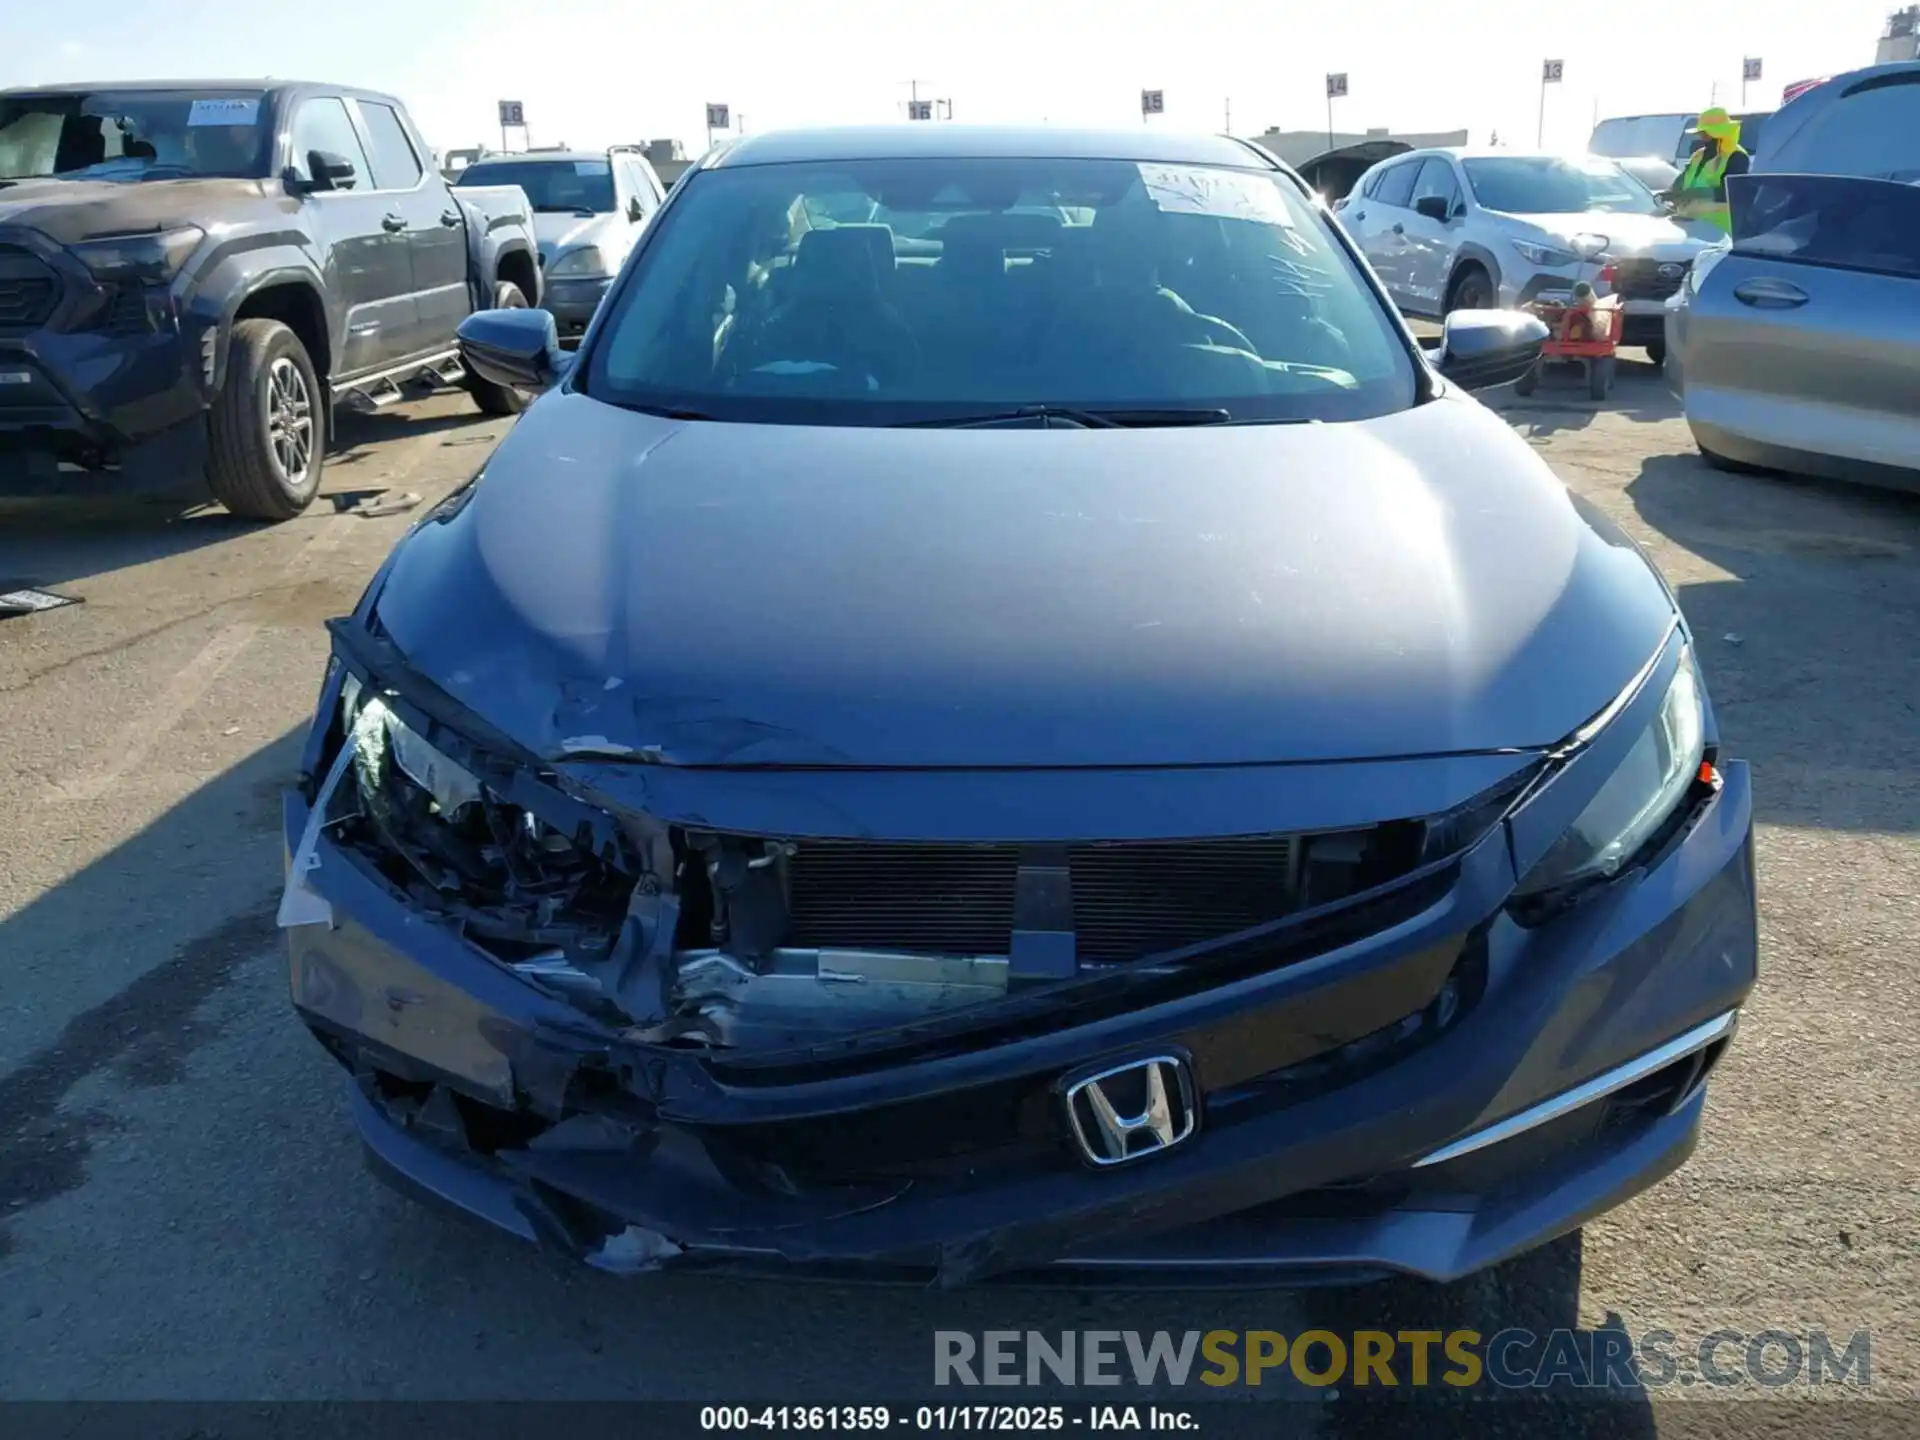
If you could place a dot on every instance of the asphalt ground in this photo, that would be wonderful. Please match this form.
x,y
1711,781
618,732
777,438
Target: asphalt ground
x,y
184,1215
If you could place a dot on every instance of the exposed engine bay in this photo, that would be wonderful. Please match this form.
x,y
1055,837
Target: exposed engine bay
x,y
681,936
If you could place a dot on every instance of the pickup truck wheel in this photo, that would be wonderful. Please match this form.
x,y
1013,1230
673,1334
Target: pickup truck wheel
x,y
491,398
267,428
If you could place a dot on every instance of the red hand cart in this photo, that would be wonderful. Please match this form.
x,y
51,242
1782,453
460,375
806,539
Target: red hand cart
x,y
1582,332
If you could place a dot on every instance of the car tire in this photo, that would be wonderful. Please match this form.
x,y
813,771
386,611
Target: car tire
x,y
1528,382
495,399
267,428
1657,352
1472,289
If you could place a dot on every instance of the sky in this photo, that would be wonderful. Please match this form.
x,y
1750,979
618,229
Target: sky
x,y
598,72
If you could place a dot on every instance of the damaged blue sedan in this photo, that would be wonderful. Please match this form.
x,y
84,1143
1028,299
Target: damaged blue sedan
x,y
1001,718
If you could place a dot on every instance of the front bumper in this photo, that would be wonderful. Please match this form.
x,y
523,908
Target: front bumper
x,y
572,302
111,392
1286,1183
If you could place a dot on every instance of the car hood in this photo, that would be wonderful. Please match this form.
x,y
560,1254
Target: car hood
x,y
698,593
1626,234
72,210
558,233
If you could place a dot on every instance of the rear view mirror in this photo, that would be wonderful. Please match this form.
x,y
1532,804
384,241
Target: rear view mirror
x,y
1434,207
1480,349
520,348
634,212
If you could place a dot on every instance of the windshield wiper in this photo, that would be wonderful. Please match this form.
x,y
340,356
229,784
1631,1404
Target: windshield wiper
x,y
669,412
1121,419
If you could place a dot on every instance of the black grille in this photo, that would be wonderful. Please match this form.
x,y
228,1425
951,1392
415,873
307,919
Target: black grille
x,y
956,899
1646,280
28,290
1132,900
1129,899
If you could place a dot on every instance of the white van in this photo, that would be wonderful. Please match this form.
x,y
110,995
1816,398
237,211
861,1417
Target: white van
x,y
1663,135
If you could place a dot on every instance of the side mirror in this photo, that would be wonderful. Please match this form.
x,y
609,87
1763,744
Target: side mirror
x,y
634,212
1480,349
1434,207
520,348
327,170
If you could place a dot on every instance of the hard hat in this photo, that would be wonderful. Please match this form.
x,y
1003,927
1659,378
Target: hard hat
x,y
1715,121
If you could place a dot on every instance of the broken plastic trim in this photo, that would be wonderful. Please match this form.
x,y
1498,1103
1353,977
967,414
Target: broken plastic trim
x,y
300,903
17,597
637,974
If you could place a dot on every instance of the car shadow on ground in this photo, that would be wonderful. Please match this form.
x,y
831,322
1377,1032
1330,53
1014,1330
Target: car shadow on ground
x,y
1545,1376
356,432
161,897
1561,402
1809,636
57,540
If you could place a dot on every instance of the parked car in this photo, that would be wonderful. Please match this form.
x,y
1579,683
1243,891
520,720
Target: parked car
x,y
1463,229
192,273
1072,749
1795,347
588,211
1650,170
1670,136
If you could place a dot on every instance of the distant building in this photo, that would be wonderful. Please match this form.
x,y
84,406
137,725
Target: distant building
x,y
1296,147
1901,39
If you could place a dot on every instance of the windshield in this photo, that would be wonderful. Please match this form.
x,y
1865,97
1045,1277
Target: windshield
x,y
1653,173
132,135
885,291
1547,185
552,186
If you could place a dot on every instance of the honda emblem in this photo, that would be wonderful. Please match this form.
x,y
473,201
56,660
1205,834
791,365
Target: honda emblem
x,y
1672,272
1133,1110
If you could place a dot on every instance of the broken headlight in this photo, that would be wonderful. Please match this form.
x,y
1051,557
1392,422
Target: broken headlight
x,y
381,738
1638,798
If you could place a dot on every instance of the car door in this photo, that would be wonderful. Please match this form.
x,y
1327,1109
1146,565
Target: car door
x,y
636,193
367,265
1813,311
1382,217
1803,336
1353,215
417,200
1429,239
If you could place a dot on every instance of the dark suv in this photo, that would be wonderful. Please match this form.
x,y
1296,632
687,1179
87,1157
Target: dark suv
x,y
192,272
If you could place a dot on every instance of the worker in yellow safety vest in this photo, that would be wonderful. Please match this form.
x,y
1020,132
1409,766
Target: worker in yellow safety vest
x,y
1700,193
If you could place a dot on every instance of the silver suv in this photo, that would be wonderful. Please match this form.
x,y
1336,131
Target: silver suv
x,y
589,207
1465,229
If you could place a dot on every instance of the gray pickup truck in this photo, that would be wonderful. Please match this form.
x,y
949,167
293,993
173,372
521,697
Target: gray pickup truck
x,y
194,273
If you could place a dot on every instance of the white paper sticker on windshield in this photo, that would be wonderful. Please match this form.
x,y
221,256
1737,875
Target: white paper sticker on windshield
x,y
1227,194
223,112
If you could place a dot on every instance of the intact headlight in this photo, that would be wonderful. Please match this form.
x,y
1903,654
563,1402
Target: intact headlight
x,y
379,737
587,262
1639,797
153,256
1544,255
